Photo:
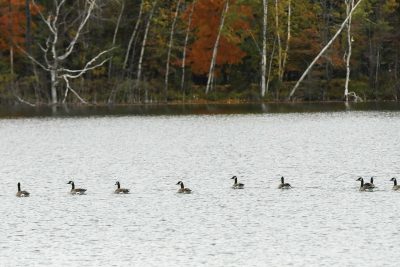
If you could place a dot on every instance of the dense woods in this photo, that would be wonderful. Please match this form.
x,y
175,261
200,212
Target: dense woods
x,y
151,51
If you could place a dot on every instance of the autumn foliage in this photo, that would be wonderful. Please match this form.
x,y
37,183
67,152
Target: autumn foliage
x,y
205,25
13,22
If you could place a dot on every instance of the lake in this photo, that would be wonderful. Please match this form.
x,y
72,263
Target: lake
x,y
324,220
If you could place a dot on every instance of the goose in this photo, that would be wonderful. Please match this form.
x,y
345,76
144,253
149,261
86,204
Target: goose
x,y
183,189
372,181
395,186
76,191
120,190
237,185
366,186
284,185
22,193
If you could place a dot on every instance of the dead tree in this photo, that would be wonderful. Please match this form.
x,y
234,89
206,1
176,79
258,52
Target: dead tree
x,y
55,54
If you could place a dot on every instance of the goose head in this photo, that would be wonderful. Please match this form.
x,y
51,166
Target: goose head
x,y
178,183
393,179
234,177
117,183
359,179
70,182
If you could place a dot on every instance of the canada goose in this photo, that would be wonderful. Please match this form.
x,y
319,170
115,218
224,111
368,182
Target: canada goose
x,y
284,185
395,186
76,191
366,186
120,190
237,185
372,182
183,189
22,193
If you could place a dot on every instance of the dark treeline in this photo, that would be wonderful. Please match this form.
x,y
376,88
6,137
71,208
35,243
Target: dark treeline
x,y
148,51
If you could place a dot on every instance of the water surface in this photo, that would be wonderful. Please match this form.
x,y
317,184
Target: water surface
x,y
323,221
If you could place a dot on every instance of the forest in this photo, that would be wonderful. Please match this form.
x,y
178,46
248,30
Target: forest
x,y
197,51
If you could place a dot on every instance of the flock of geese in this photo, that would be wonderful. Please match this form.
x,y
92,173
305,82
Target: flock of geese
x,y
184,190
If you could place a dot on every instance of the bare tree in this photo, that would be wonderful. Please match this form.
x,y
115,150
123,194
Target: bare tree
x,y
215,50
349,6
55,54
122,3
185,48
171,39
264,49
286,51
135,29
323,50
146,32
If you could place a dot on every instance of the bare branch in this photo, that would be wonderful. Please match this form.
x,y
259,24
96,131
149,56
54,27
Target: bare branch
x,y
88,65
324,49
46,21
72,90
31,58
83,23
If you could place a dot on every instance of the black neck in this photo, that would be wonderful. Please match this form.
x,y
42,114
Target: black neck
x,y
73,185
362,182
19,187
282,180
235,180
182,186
395,182
119,186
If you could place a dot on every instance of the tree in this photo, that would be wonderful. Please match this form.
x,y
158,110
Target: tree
x,y
54,53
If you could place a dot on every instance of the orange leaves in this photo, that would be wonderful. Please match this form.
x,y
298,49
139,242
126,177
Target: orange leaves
x,y
205,24
13,22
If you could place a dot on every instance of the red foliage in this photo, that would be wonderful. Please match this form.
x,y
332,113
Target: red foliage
x,y
205,24
13,22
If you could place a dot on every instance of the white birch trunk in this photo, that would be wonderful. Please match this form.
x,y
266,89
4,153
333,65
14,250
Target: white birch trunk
x,y
139,71
286,51
171,39
349,6
115,36
264,50
323,50
184,49
215,50
133,36
278,38
270,67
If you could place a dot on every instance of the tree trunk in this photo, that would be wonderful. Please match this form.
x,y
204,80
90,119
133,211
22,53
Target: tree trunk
x,y
53,84
349,6
133,35
270,69
11,43
184,50
278,38
28,25
171,39
286,51
215,50
377,69
139,72
264,49
323,50
115,37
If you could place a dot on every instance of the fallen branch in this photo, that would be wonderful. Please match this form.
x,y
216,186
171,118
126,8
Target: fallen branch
x,y
323,50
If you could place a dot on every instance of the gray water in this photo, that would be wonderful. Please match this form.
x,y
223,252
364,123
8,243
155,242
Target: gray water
x,y
323,221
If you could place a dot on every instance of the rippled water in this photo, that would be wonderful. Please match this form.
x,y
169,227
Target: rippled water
x,y
323,221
